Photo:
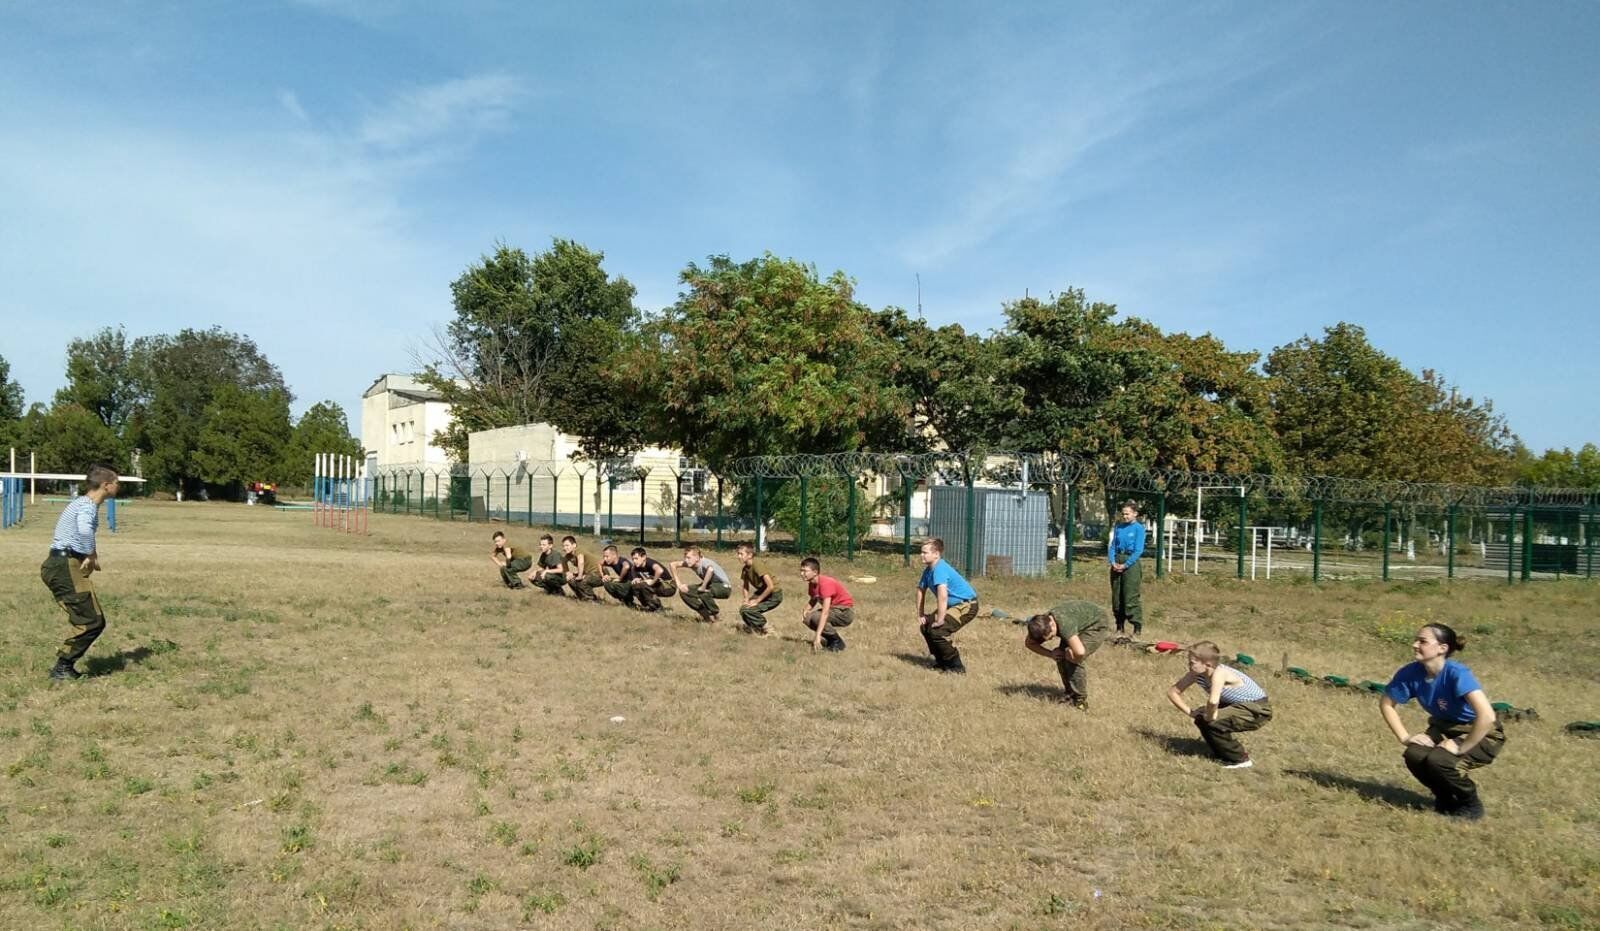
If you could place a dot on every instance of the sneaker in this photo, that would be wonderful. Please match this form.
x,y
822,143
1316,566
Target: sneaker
x,y
1242,764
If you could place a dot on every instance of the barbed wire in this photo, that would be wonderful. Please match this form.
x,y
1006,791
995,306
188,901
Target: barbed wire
x,y
1043,471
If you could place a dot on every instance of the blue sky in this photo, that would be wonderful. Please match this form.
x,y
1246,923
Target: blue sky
x,y
315,173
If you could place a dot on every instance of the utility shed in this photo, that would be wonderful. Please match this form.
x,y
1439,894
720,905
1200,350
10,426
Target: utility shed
x,y
1010,529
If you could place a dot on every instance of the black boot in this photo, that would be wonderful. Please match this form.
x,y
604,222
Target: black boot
x,y
64,669
1469,809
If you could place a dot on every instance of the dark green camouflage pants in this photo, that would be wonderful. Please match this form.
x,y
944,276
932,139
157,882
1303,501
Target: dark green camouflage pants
x,y
69,583
702,599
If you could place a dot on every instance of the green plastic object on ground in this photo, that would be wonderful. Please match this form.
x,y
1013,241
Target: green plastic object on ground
x,y
1584,728
1368,685
1501,705
1244,659
1336,680
1299,673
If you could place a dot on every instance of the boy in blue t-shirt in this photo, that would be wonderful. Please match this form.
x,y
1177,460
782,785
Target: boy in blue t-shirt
x,y
945,603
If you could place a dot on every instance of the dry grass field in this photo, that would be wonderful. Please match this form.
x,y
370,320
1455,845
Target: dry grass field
x,y
289,728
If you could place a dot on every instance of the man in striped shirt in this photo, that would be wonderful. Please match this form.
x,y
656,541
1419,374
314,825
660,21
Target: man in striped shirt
x,y
72,560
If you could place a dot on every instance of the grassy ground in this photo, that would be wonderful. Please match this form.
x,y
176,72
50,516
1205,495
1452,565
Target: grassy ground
x,y
291,728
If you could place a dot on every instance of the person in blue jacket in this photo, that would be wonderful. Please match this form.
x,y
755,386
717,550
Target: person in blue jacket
x,y
1123,549
1463,730
946,603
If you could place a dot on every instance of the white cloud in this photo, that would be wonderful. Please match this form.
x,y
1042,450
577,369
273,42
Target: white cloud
x,y
290,102
301,239
442,114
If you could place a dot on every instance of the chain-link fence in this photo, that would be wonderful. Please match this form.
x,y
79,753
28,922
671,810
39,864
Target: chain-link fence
x,y
1005,513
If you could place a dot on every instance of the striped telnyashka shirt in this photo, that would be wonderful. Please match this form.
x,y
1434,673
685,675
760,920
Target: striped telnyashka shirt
x,y
76,526
1234,694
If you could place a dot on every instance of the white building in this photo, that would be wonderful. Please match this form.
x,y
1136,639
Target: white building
x,y
399,416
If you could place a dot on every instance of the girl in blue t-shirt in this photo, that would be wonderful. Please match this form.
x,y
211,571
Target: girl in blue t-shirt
x,y
1463,730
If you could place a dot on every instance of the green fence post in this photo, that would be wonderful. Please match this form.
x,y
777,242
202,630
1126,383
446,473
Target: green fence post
x,y
1511,544
719,510
1316,540
1071,524
448,508
677,511
611,504
1386,514
1527,544
644,492
805,516
530,498
1450,542
508,499
972,521
1588,542
850,521
760,481
555,500
905,510
1161,518
1239,545
581,483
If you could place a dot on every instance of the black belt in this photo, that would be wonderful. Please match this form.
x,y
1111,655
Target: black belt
x,y
70,554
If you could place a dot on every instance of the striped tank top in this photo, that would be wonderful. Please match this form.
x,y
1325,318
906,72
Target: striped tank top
x,y
1234,694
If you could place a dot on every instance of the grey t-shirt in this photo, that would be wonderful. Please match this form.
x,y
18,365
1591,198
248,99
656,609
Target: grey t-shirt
x,y
708,571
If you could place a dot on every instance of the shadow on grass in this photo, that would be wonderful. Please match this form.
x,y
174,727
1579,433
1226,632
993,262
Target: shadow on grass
x,y
1033,690
1384,792
920,660
117,662
1177,746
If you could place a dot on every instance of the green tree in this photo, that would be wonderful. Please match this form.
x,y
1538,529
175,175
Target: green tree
x,y
323,428
1072,362
959,384
100,377
1342,407
1559,468
177,378
242,437
531,341
68,438
11,397
764,357
1201,407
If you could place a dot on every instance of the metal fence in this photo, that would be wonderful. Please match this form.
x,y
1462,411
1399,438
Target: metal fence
x,y
11,502
1012,513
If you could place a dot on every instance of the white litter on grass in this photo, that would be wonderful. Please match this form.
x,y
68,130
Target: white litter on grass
x,y
617,719
865,579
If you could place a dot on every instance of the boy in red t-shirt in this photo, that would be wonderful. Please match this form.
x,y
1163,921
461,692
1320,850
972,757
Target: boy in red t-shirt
x,y
830,607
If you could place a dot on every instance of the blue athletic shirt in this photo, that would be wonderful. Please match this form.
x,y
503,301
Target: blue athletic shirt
x,y
942,573
1126,538
1443,697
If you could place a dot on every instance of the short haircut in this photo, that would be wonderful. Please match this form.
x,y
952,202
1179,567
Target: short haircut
x,y
691,549
569,538
498,535
610,548
1039,626
1129,503
1205,651
746,547
546,538
811,562
936,543
640,551
99,475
